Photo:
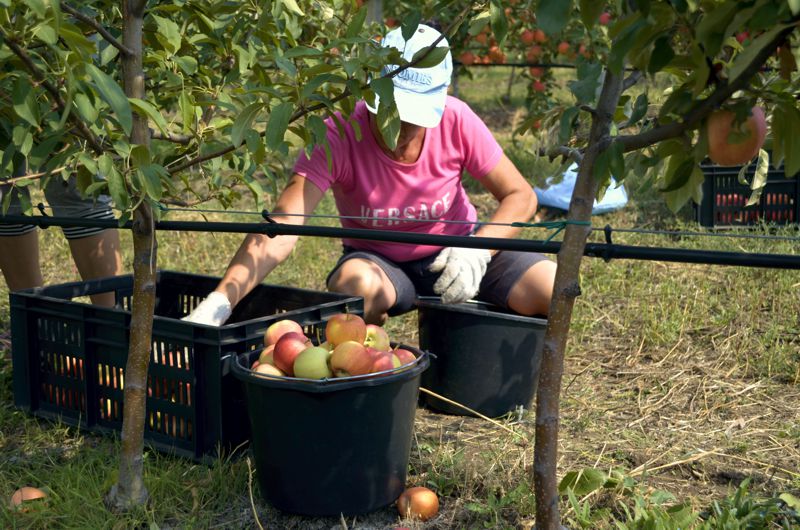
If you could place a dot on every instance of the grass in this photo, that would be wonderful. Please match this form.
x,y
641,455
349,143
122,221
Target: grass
x,y
681,383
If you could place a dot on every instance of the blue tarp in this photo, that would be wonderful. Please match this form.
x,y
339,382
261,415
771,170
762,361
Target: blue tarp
x,y
558,195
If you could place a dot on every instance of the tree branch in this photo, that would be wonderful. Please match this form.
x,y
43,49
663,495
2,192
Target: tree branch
x,y
631,80
37,74
703,108
97,27
169,137
319,106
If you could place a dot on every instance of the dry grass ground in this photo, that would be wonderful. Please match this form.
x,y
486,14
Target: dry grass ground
x,y
681,381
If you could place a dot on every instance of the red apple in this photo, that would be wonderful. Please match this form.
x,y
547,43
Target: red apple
x,y
276,330
604,18
351,358
287,349
345,326
377,338
385,361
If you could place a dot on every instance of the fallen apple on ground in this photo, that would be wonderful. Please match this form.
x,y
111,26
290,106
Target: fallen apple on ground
x,y
418,503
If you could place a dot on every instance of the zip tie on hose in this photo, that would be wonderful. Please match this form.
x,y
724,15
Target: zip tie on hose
x,y
608,251
41,208
268,218
558,226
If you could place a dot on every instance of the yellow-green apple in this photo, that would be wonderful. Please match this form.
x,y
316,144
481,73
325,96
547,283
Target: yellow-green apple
x,y
276,330
312,363
287,349
268,369
350,358
377,338
267,355
345,326
405,356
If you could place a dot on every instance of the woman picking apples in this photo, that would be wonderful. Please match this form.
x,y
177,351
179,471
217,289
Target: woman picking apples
x,y
420,180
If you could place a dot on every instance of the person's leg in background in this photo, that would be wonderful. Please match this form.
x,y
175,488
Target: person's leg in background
x,y
96,251
19,244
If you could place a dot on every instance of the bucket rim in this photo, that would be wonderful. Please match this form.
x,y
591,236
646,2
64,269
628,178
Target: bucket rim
x,y
246,375
477,308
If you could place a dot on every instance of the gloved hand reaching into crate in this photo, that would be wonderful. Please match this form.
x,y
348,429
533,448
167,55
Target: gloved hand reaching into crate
x,y
213,311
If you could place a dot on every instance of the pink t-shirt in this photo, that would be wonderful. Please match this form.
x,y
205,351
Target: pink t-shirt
x,y
388,195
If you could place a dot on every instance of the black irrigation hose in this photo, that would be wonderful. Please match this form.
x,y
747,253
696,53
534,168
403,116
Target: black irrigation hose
x,y
607,250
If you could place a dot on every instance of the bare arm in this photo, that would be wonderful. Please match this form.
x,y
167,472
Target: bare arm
x,y
516,199
258,254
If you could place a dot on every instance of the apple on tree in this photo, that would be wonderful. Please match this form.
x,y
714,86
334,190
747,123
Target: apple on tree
x,y
727,151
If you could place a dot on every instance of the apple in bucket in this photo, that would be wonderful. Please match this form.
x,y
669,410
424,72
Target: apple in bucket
x,y
345,326
277,329
351,358
287,349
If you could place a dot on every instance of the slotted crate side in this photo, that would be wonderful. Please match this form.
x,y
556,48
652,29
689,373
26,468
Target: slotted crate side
x,y
725,198
194,406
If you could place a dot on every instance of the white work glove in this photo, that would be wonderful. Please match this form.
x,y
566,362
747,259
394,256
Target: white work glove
x,y
213,311
462,271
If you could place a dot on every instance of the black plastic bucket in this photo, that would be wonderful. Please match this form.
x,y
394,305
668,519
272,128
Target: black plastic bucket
x,y
483,357
338,446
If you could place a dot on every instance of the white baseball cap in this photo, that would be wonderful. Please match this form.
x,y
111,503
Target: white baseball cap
x,y
420,93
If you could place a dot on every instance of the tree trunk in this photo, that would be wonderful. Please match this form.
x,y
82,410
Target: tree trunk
x,y
566,289
130,490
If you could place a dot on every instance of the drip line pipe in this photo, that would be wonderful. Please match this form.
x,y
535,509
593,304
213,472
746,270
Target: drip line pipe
x,y
607,251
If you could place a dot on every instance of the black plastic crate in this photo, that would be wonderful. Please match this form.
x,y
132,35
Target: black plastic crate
x,y
724,198
69,357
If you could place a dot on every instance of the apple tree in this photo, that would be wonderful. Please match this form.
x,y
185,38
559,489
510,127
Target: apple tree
x,y
723,59
178,102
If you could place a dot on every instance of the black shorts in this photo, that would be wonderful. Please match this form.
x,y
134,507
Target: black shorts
x,y
412,278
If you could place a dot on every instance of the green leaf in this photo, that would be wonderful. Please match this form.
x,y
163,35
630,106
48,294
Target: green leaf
x,y
144,108
244,121
410,24
384,87
661,56
693,188
24,101
479,22
794,5
616,160
499,23
111,92
116,183
553,15
746,57
292,7
640,107
278,122
582,482
677,175
791,501
140,155
357,24
433,58
590,11
150,176
186,63
759,177
169,34
712,27
86,108
565,124
623,44
585,87
187,111
389,122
